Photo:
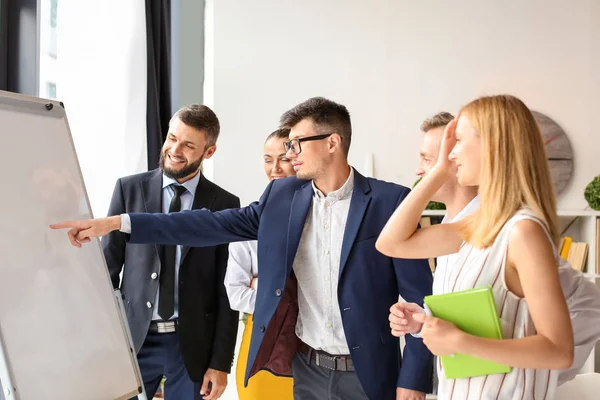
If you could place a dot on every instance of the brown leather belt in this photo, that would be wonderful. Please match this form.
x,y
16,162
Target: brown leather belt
x,y
326,360
163,326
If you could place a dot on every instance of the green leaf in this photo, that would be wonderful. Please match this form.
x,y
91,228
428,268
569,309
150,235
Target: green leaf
x,y
433,205
592,193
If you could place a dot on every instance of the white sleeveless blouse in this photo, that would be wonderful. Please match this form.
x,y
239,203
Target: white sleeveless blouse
x,y
471,268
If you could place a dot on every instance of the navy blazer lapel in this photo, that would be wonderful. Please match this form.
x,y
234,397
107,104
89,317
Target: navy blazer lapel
x,y
358,206
298,211
204,198
152,196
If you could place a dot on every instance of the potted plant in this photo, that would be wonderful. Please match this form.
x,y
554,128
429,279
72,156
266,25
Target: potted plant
x,y
592,193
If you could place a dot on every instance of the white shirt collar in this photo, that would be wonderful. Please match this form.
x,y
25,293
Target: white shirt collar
x,y
190,185
342,192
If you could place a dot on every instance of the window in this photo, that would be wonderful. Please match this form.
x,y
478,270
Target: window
x,y
51,90
53,4
48,18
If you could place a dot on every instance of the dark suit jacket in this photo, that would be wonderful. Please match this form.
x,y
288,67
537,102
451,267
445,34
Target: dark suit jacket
x,y
369,282
207,325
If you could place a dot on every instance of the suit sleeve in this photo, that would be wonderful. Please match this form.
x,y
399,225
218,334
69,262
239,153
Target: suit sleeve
x,y
415,281
199,228
114,243
227,319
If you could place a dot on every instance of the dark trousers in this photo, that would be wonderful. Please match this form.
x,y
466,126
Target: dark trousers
x,y
312,382
160,356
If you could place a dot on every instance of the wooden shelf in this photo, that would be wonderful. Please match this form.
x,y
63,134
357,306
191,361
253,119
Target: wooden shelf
x,y
433,213
578,213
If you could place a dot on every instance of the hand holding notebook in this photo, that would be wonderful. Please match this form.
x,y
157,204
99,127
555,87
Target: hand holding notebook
x,y
441,337
472,311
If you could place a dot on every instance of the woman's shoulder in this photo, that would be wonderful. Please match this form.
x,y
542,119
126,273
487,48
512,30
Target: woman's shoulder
x,y
525,226
523,214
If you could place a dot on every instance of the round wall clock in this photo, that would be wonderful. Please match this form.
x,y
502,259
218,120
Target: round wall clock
x,y
558,151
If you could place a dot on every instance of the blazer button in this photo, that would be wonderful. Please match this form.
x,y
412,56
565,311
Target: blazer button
x,y
154,275
148,304
278,292
262,329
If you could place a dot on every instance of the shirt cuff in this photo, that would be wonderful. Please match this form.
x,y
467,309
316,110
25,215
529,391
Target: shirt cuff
x,y
125,223
418,335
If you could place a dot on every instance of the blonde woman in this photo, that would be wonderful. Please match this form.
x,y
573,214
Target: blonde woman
x,y
241,281
509,244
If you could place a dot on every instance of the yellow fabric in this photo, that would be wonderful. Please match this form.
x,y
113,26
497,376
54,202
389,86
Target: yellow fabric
x,y
263,385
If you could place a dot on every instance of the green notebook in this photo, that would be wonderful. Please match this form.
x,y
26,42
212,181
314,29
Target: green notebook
x,y
472,311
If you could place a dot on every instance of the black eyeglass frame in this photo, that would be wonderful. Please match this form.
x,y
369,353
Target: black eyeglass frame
x,y
289,145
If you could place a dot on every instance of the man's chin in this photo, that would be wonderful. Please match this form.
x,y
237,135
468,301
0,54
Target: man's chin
x,y
305,176
178,173
171,172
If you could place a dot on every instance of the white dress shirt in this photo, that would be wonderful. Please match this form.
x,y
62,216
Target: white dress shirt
x,y
317,267
242,266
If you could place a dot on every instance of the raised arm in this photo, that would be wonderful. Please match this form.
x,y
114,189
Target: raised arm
x,y
198,228
400,236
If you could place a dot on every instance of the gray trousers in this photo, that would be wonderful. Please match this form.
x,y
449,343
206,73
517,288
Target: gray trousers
x,y
312,382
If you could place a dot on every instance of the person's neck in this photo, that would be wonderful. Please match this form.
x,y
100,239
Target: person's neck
x,y
333,179
458,199
183,180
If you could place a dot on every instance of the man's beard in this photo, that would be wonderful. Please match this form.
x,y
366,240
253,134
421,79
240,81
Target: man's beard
x,y
305,176
319,169
181,173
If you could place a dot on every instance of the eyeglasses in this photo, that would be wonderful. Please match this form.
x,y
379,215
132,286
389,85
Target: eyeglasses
x,y
294,144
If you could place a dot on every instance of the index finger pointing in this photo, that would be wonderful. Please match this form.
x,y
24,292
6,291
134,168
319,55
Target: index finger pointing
x,y
63,225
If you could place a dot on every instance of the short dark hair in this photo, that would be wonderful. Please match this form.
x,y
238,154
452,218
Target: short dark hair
x,y
202,118
281,133
440,119
326,115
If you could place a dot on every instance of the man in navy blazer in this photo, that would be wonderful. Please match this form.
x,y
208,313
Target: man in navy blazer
x,y
325,292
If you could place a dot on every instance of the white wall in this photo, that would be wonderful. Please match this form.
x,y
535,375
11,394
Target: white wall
x,y
393,63
101,78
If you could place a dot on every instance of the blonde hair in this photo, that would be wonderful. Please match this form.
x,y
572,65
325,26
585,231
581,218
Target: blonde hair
x,y
514,169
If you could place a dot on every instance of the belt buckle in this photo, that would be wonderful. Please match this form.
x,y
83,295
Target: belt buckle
x,y
329,364
165,327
